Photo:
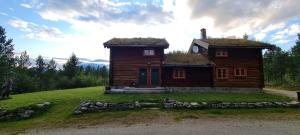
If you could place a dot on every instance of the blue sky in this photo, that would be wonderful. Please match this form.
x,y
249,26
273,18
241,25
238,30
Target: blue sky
x,y
57,28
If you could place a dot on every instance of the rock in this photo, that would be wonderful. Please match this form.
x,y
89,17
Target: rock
x,y
2,112
85,104
99,104
77,112
167,100
26,114
194,105
47,103
41,105
137,104
186,105
83,108
148,104
168,105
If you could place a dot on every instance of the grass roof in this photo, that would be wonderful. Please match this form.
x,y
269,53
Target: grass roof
x,y
178,57
235,42
154,42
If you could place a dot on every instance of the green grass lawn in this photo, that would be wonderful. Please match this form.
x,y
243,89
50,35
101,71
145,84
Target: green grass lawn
x,y
65,101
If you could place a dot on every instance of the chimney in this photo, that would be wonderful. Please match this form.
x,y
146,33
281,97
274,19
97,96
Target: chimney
x,y
203,33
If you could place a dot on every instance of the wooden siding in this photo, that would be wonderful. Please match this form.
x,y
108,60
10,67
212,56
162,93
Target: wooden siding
x,y
250,59
195,77
125,63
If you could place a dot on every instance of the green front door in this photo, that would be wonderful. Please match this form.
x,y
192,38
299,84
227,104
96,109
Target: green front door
x,y
154,77
143,77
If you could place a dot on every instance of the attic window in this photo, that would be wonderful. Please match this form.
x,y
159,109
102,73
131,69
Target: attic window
x,y
149,52
178,73
221,53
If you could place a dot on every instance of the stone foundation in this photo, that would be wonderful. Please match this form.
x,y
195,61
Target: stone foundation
x,y
214,89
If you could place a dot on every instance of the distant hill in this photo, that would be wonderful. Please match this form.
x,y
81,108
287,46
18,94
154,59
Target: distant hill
x,y
83,62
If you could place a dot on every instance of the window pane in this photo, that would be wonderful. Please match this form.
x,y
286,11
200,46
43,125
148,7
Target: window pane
x,y
148,52
224,73
237,72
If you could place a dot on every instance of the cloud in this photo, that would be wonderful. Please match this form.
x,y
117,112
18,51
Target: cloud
x,y
285,35
25,5
35,31
105,11
4,14
255,14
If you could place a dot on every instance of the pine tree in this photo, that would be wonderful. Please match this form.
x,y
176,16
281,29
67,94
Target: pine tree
x,y
40,67
6,55
51,65
23,61
71,67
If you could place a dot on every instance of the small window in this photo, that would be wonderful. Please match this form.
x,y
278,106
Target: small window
x,y
149,52
240,72
221,53
222,73
178,73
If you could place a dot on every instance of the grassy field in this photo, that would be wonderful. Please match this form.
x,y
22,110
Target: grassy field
x,y
65,101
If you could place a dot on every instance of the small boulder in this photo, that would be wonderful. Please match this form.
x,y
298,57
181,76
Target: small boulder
x,y
77,112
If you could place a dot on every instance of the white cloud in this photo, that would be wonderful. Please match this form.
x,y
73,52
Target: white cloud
x,y
35,31
260,36
273,27
4,14
284,36
25,5
254,14
179,21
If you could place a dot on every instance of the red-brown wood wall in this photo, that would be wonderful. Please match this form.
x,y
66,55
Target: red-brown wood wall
x,y
195,77
125,63
251,59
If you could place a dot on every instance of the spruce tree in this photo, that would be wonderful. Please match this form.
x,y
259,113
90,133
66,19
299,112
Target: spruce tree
x,y
6,56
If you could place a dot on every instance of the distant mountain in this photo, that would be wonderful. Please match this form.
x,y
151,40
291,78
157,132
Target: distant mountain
x,y
82,62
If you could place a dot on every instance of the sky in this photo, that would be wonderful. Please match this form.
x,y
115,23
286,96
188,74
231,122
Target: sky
x,y
58,28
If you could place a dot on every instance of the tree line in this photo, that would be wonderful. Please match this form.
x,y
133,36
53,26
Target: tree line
x,y
45,75
282,68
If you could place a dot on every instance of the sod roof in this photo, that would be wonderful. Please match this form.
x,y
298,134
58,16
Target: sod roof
x,y
225,42
181,58
137,42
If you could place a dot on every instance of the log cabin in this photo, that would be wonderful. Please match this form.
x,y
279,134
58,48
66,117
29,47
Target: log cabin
x,y
210,65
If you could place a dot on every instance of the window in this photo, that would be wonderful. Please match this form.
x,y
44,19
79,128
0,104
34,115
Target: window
x,y
149,52
240,72
178,73
221,53
222,73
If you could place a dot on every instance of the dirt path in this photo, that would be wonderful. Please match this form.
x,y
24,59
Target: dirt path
x,y
188,127
291,94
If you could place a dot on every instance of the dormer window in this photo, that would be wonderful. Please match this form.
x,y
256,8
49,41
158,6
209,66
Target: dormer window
x,y
221,53
149,52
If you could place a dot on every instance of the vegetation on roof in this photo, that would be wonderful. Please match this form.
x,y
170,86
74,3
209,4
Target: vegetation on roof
x,y
234,42
137,41
180,57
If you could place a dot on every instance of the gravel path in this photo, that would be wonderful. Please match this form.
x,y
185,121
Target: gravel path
x,y
291,94
208,126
